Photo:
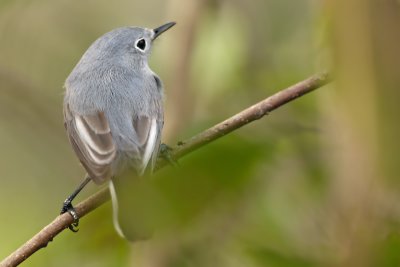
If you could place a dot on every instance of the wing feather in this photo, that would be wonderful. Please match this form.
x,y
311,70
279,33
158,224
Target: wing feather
x,y
91,138
148,134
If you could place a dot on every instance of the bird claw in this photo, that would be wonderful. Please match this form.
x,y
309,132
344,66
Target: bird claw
x,y
67,207
74,226
165,153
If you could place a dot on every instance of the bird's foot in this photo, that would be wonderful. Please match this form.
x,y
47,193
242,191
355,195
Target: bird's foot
x,y
67,207
165,153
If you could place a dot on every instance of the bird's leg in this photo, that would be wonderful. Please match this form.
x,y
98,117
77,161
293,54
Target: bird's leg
x,y
67,205
165,153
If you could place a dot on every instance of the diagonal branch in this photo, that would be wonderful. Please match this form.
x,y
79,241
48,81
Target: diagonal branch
x,y
255,112
244,117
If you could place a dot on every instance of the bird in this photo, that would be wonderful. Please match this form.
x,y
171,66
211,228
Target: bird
x,y
113,116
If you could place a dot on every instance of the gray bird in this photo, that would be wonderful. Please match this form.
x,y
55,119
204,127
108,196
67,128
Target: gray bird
x,y
113,114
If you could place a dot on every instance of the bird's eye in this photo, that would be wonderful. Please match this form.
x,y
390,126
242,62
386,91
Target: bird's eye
x,y
141,44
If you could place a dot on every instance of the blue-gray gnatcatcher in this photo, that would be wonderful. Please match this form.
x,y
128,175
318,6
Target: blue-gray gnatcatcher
x,y
113,111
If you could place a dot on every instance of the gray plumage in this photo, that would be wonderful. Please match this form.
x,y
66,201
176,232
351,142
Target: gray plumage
x,y
113,107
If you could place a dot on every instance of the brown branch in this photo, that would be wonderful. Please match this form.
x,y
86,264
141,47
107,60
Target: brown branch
x,y
246,116
255,112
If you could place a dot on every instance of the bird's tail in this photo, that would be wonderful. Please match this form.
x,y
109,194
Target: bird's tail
x,y
129,212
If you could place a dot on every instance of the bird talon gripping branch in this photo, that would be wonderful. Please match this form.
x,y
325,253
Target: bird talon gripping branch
x,y
67,207
165,153
74,226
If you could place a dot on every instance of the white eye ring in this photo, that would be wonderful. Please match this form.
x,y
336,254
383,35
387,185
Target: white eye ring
x,y
141,44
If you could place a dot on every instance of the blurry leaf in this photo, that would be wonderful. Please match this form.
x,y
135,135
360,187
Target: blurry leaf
x,y
216,175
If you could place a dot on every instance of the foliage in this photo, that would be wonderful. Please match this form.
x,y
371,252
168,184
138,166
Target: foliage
x,y
314,184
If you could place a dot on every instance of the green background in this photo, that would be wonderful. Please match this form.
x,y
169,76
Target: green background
x,y
316,183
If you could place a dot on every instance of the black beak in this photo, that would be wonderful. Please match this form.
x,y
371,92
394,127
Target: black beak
x,y
158,31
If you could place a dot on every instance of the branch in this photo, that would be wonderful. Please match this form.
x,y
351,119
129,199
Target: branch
x,y
255,112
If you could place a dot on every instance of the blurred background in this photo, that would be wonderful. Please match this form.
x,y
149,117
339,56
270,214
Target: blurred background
x,y
316,183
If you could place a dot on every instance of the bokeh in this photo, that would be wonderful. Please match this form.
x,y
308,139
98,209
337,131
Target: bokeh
x,y
315,183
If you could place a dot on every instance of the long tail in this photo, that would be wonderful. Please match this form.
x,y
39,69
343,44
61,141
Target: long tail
x,y
115,205
129,215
